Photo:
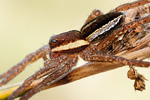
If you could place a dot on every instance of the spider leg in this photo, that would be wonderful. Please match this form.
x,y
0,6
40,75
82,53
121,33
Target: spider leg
x,y
47,70
14,71
95,13
65,68
130,5
139,83
104,57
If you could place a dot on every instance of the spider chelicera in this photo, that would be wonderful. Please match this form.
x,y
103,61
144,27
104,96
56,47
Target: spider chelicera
x,y
96,35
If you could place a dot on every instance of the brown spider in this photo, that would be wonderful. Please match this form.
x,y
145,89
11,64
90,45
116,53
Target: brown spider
x,y
90,43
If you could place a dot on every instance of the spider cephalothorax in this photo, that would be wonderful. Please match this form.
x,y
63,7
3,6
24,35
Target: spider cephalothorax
x,y
71,41
97,35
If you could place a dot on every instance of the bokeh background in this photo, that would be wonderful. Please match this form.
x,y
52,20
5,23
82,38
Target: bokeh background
x,y
26,25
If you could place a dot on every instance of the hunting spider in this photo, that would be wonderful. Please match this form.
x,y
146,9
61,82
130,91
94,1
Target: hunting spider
x,y
93,43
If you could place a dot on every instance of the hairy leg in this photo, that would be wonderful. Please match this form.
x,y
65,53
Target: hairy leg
x,y
116,33
104,57
14,71
95,13
132,73
50,79
47,70
130,5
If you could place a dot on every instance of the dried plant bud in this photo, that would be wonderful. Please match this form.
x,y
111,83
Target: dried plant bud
x,y
132,73
139,84
141,77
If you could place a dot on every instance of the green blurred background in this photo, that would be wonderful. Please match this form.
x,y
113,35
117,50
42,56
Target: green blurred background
x,y
26,25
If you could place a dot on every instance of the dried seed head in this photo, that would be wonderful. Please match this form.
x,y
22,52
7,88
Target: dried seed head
x,y
139,85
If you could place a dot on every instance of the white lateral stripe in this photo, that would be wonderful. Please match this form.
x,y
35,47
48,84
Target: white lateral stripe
x,y
104,28
71,45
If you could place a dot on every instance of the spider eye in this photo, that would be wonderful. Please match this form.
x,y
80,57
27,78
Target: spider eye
x,y
53,41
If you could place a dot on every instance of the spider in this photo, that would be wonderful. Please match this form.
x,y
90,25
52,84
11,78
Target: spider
x,y
98,33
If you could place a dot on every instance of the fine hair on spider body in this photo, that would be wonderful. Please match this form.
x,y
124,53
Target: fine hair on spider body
x,y
93,43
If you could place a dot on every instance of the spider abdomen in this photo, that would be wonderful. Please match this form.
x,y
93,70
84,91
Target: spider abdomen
x,y
100,25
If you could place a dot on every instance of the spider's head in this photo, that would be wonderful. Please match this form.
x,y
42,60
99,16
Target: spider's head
x,y
68,42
